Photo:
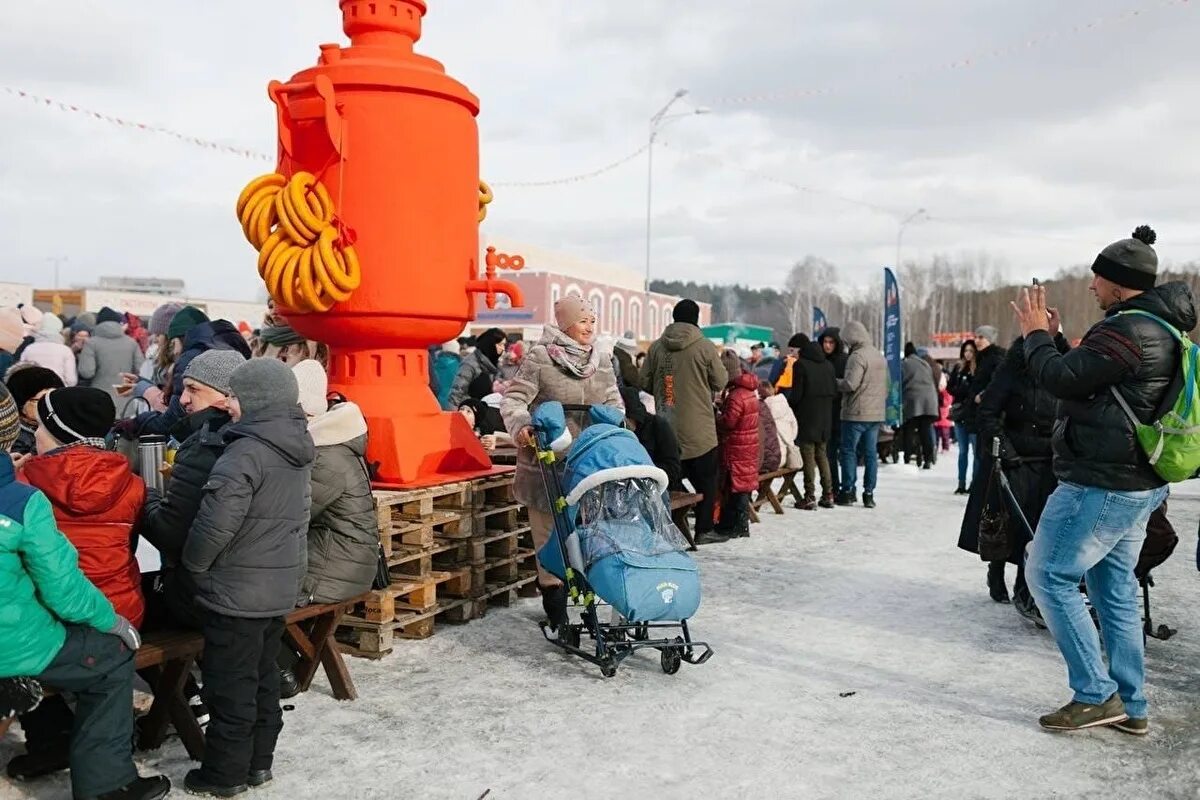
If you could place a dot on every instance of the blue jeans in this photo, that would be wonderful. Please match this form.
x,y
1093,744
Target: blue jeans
x,y
852,434
966,445
1097,533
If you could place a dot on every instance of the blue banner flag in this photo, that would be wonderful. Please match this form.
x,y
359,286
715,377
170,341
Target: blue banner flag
x,y
892,347
819,322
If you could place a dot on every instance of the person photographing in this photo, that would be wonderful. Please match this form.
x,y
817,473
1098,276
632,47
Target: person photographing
x,y
1094,523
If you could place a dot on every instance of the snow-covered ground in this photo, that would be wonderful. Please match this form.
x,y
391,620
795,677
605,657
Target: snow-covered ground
x,y
858,656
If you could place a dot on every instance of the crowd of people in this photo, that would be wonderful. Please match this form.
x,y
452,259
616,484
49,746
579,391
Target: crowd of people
x,y
266,506
267,500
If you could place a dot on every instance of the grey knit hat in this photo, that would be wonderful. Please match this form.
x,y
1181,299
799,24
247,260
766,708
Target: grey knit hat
x,y
988,332
264,384
214,367
1131,263
160,320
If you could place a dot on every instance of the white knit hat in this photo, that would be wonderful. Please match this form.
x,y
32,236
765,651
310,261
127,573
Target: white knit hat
x,y
314,387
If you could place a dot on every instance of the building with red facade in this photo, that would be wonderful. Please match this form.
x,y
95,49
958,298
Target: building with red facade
x,y
617,292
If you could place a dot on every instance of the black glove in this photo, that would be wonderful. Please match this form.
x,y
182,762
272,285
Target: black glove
x,y
1009,459
18,696
127,428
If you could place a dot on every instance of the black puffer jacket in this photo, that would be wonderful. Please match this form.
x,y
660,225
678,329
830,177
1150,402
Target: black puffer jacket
x,y
247,548
343,535
1094,443
1017,410
814,393
167,518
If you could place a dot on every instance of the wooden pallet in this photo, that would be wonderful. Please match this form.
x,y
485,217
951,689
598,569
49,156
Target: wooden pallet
x,y
453,551
501,570
493,492
478,550
495,595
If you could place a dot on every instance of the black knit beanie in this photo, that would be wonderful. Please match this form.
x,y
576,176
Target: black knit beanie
x,y
106,314
1131,263
77,412
26,382
798,341
687,311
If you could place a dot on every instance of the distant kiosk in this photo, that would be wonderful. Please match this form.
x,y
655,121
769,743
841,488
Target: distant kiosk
x,y
737,334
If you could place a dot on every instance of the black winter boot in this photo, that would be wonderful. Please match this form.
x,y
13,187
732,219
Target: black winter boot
x,y
39,764
195,783
868,500
961,489
995,581
827,501
288,685
554,603
140,789
845,499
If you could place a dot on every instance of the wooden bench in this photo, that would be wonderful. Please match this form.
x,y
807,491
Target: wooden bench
x,y
681,504
310,631
767,494
167,657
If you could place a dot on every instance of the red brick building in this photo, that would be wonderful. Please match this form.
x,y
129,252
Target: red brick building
x,y
617,292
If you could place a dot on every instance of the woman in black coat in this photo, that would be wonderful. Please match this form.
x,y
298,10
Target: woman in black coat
x,y
962,413
814,389
1020,415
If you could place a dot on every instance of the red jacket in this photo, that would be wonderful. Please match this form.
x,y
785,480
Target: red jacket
x,y
97,501
738,426
944,403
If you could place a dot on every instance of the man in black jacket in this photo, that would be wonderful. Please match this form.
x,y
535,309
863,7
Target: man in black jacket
x,y
203,336
656,435
166,518
247,552
1095,522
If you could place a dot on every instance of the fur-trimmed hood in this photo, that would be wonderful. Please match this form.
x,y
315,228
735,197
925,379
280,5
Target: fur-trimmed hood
x,y
341,424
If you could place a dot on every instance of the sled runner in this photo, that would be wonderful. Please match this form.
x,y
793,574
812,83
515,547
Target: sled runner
x,y
614,543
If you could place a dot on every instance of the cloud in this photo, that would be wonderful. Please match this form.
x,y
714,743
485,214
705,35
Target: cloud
x,y
1037,154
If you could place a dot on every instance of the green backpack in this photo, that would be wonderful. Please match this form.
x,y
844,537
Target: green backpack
x,y
1172,442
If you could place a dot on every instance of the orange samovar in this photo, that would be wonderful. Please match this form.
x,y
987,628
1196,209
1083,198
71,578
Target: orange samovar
x,y
392,140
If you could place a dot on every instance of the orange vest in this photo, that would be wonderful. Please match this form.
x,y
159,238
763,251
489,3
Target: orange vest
x,y
785,380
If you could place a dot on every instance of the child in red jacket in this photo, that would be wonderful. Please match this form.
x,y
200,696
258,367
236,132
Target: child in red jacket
x,y
737,432
96,497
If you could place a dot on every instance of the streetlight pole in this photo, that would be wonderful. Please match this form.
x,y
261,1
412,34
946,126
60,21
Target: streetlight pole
x,y
57,262
656,122
911,218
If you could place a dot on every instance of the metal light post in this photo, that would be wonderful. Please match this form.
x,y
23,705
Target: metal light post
x,y
656,122
57,261
911,218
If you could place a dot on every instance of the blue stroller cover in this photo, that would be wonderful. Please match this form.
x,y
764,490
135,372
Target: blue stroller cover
x,y
616,524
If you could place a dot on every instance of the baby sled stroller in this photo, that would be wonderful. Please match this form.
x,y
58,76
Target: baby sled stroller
x,y
614,541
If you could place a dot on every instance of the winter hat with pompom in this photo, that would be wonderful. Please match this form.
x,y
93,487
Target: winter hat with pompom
x,y
1131,263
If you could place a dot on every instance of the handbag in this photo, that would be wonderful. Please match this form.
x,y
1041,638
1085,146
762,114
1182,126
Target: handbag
x,y
383,576
993,521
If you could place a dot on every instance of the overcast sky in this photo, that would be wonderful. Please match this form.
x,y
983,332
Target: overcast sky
x,y
1038,154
